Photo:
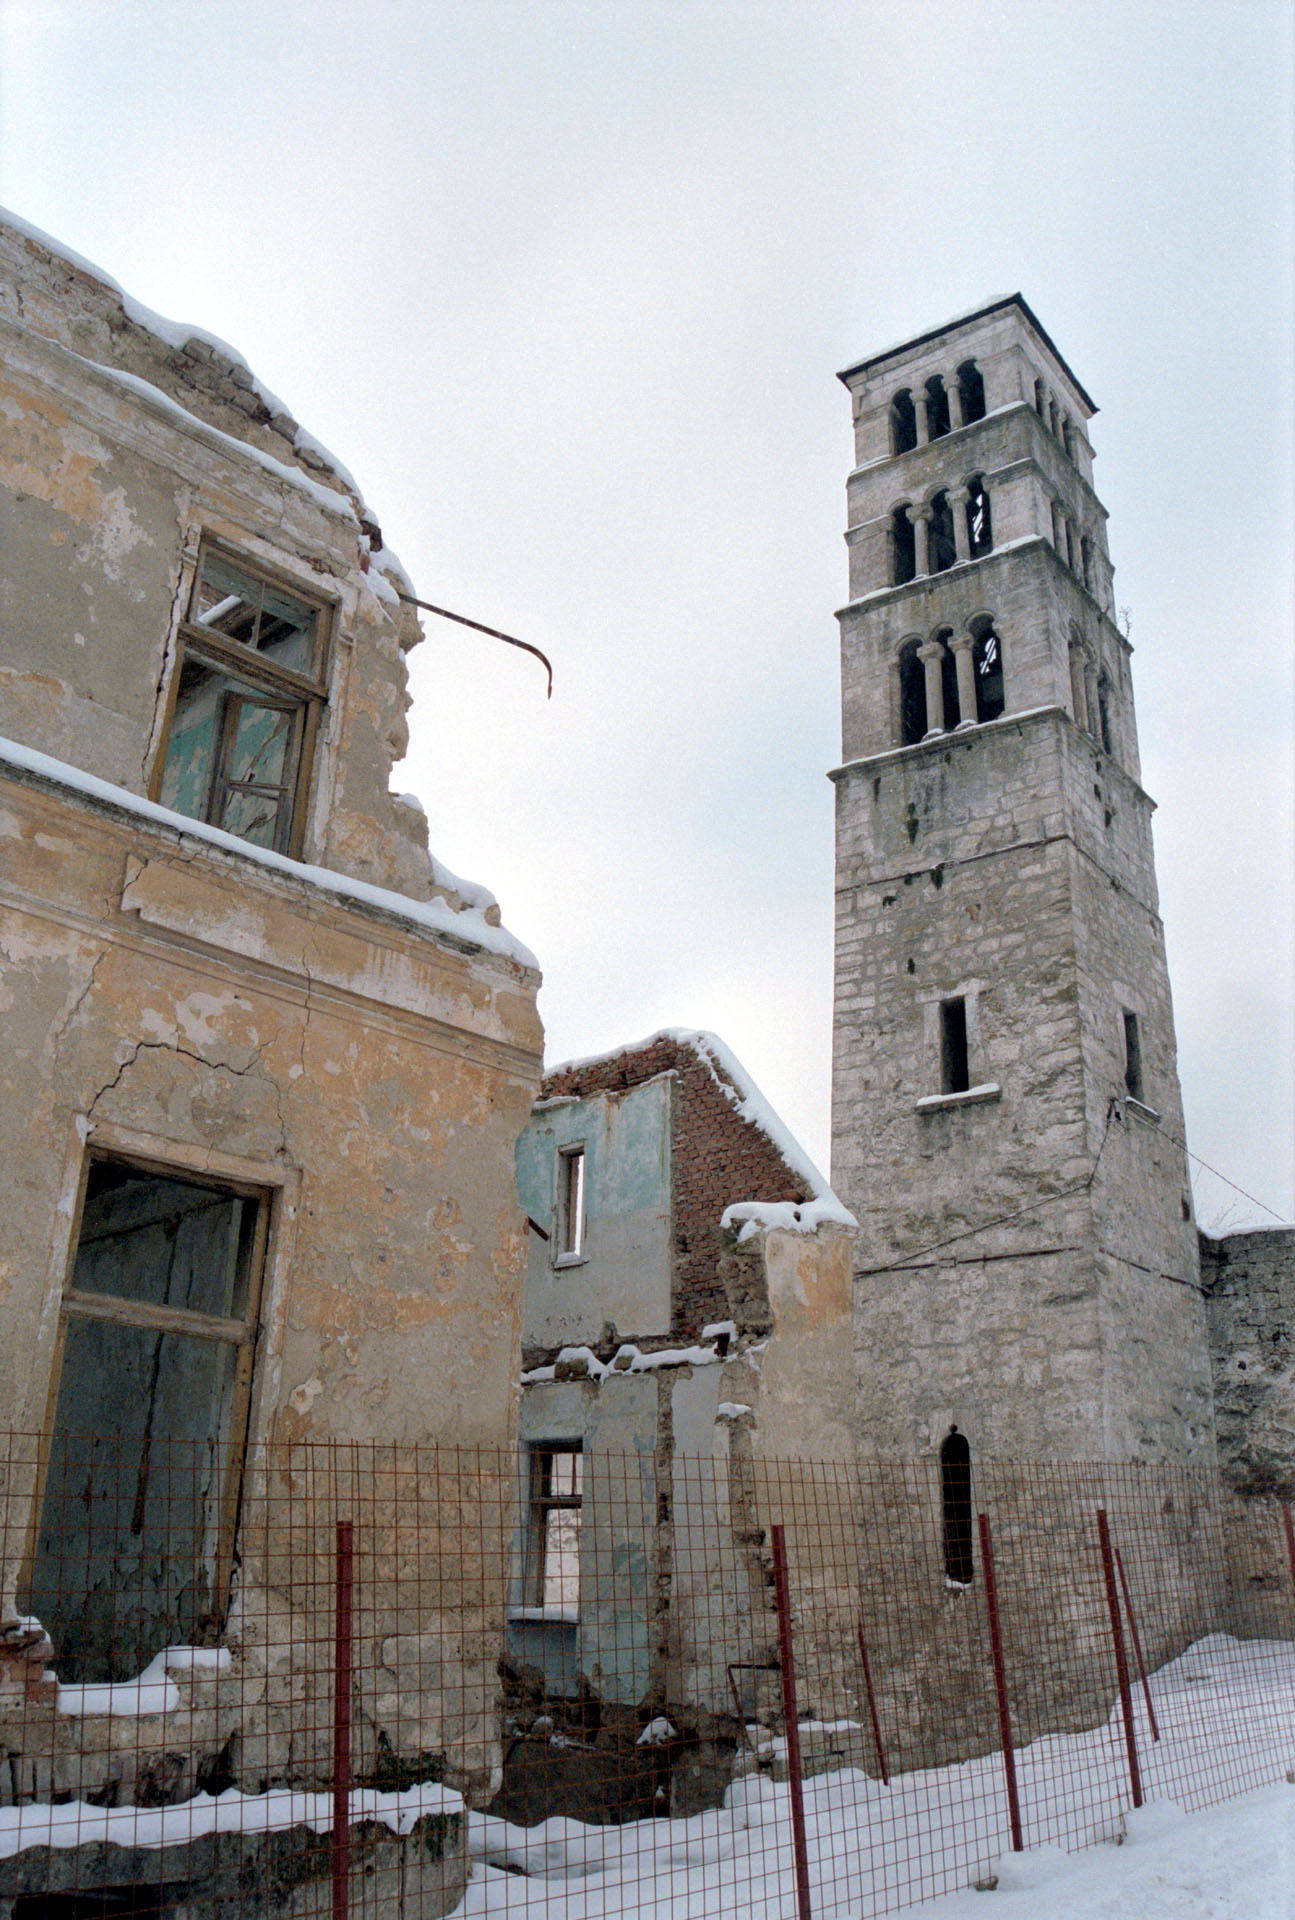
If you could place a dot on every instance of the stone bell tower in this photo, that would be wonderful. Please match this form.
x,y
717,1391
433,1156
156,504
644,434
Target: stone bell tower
x,y
1006,1109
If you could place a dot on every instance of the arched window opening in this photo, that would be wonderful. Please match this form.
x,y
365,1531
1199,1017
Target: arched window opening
x,y
903,548
1053,423
1104,711
903,423
987,665
912,696
980,532
971,392
937,408
955,1492
1040,402
1067,435
942,547
1086,560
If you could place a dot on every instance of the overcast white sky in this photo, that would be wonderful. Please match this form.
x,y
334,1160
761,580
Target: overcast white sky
x,y
566,283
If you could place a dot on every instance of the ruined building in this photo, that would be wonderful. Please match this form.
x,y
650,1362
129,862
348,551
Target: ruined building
x,y
264,1062
1006,1112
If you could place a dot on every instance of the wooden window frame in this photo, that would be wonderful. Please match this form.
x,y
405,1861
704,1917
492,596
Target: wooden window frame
x,y
541,1502
242,1333
307,693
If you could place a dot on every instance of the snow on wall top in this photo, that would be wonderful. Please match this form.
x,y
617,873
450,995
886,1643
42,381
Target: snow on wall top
x,y
742,1093
468,924
181,338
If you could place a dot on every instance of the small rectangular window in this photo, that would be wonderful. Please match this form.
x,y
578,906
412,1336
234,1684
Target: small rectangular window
x,y
248,695
955,1075
553,1545
1132,1055
570,1242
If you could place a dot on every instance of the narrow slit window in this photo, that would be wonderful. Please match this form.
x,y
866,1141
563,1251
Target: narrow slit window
x,y
987,659
942,546
912,696
903,548
955,1492
903,423
571,1203
1132,1055
954,1072
980,532
937,408
971,392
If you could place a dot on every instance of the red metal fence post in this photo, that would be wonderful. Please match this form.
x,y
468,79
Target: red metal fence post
x,y
1121,1664
1000,1684
1137,1644
342,1723
1290,1537
795,1777
872,1708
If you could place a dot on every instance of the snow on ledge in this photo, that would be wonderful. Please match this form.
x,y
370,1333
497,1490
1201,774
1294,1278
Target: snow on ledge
x,y
76,1824
751,1217
468,924
152,1691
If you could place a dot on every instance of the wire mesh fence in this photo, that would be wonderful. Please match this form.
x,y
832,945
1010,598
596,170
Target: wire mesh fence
x,y
364,1679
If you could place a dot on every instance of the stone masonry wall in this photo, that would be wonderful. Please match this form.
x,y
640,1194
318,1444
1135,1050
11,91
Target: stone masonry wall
x,y
1250,1307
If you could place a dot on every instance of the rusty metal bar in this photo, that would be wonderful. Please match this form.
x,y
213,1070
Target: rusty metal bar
x,y
342,1672
1000,1683
1137,1644
872,1708
477,627
795,1775
1290,1537
1121,1663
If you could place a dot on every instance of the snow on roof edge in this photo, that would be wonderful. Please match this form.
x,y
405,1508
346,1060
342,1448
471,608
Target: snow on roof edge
x,y
742,1093
467,924
177,334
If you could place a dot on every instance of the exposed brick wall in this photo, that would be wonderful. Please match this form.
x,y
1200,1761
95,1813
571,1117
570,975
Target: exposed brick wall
x,y
717,1159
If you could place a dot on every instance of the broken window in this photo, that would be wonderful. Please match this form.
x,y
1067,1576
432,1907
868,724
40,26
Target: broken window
x,y
248,692
570,1240
942,549
980,532
912,696
987,662
553,1543
955,1076
937,408
144,1463
955,1495
971,392
903,423
903,548
1132,1055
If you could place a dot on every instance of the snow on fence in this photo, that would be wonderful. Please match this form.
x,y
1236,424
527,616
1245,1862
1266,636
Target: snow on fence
x,y
345,1679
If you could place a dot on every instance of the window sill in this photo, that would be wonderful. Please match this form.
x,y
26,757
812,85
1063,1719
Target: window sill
x,y
544,1616
973,1097
1141,1109
571,1259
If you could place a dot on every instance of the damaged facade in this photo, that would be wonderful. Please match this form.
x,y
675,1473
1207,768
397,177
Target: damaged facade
x,y
264,1061
687,1314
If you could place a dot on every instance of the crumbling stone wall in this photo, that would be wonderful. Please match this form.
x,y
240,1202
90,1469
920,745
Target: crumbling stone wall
x,y
1249,1280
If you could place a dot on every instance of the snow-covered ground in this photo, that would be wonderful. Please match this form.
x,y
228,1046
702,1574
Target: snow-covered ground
x,y
1226,1716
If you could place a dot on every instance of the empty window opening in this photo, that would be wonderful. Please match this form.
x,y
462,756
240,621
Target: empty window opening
x,y
1067,435
1053,423
135,1535
987,660
1040,402
942,549
248,694
937,408
903,423
1086,560
949,683
571,1203
1070,544
912,696
980,532
1104,711
553,1537
1132,1055
971,392
955,1493
955,1075
903,547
